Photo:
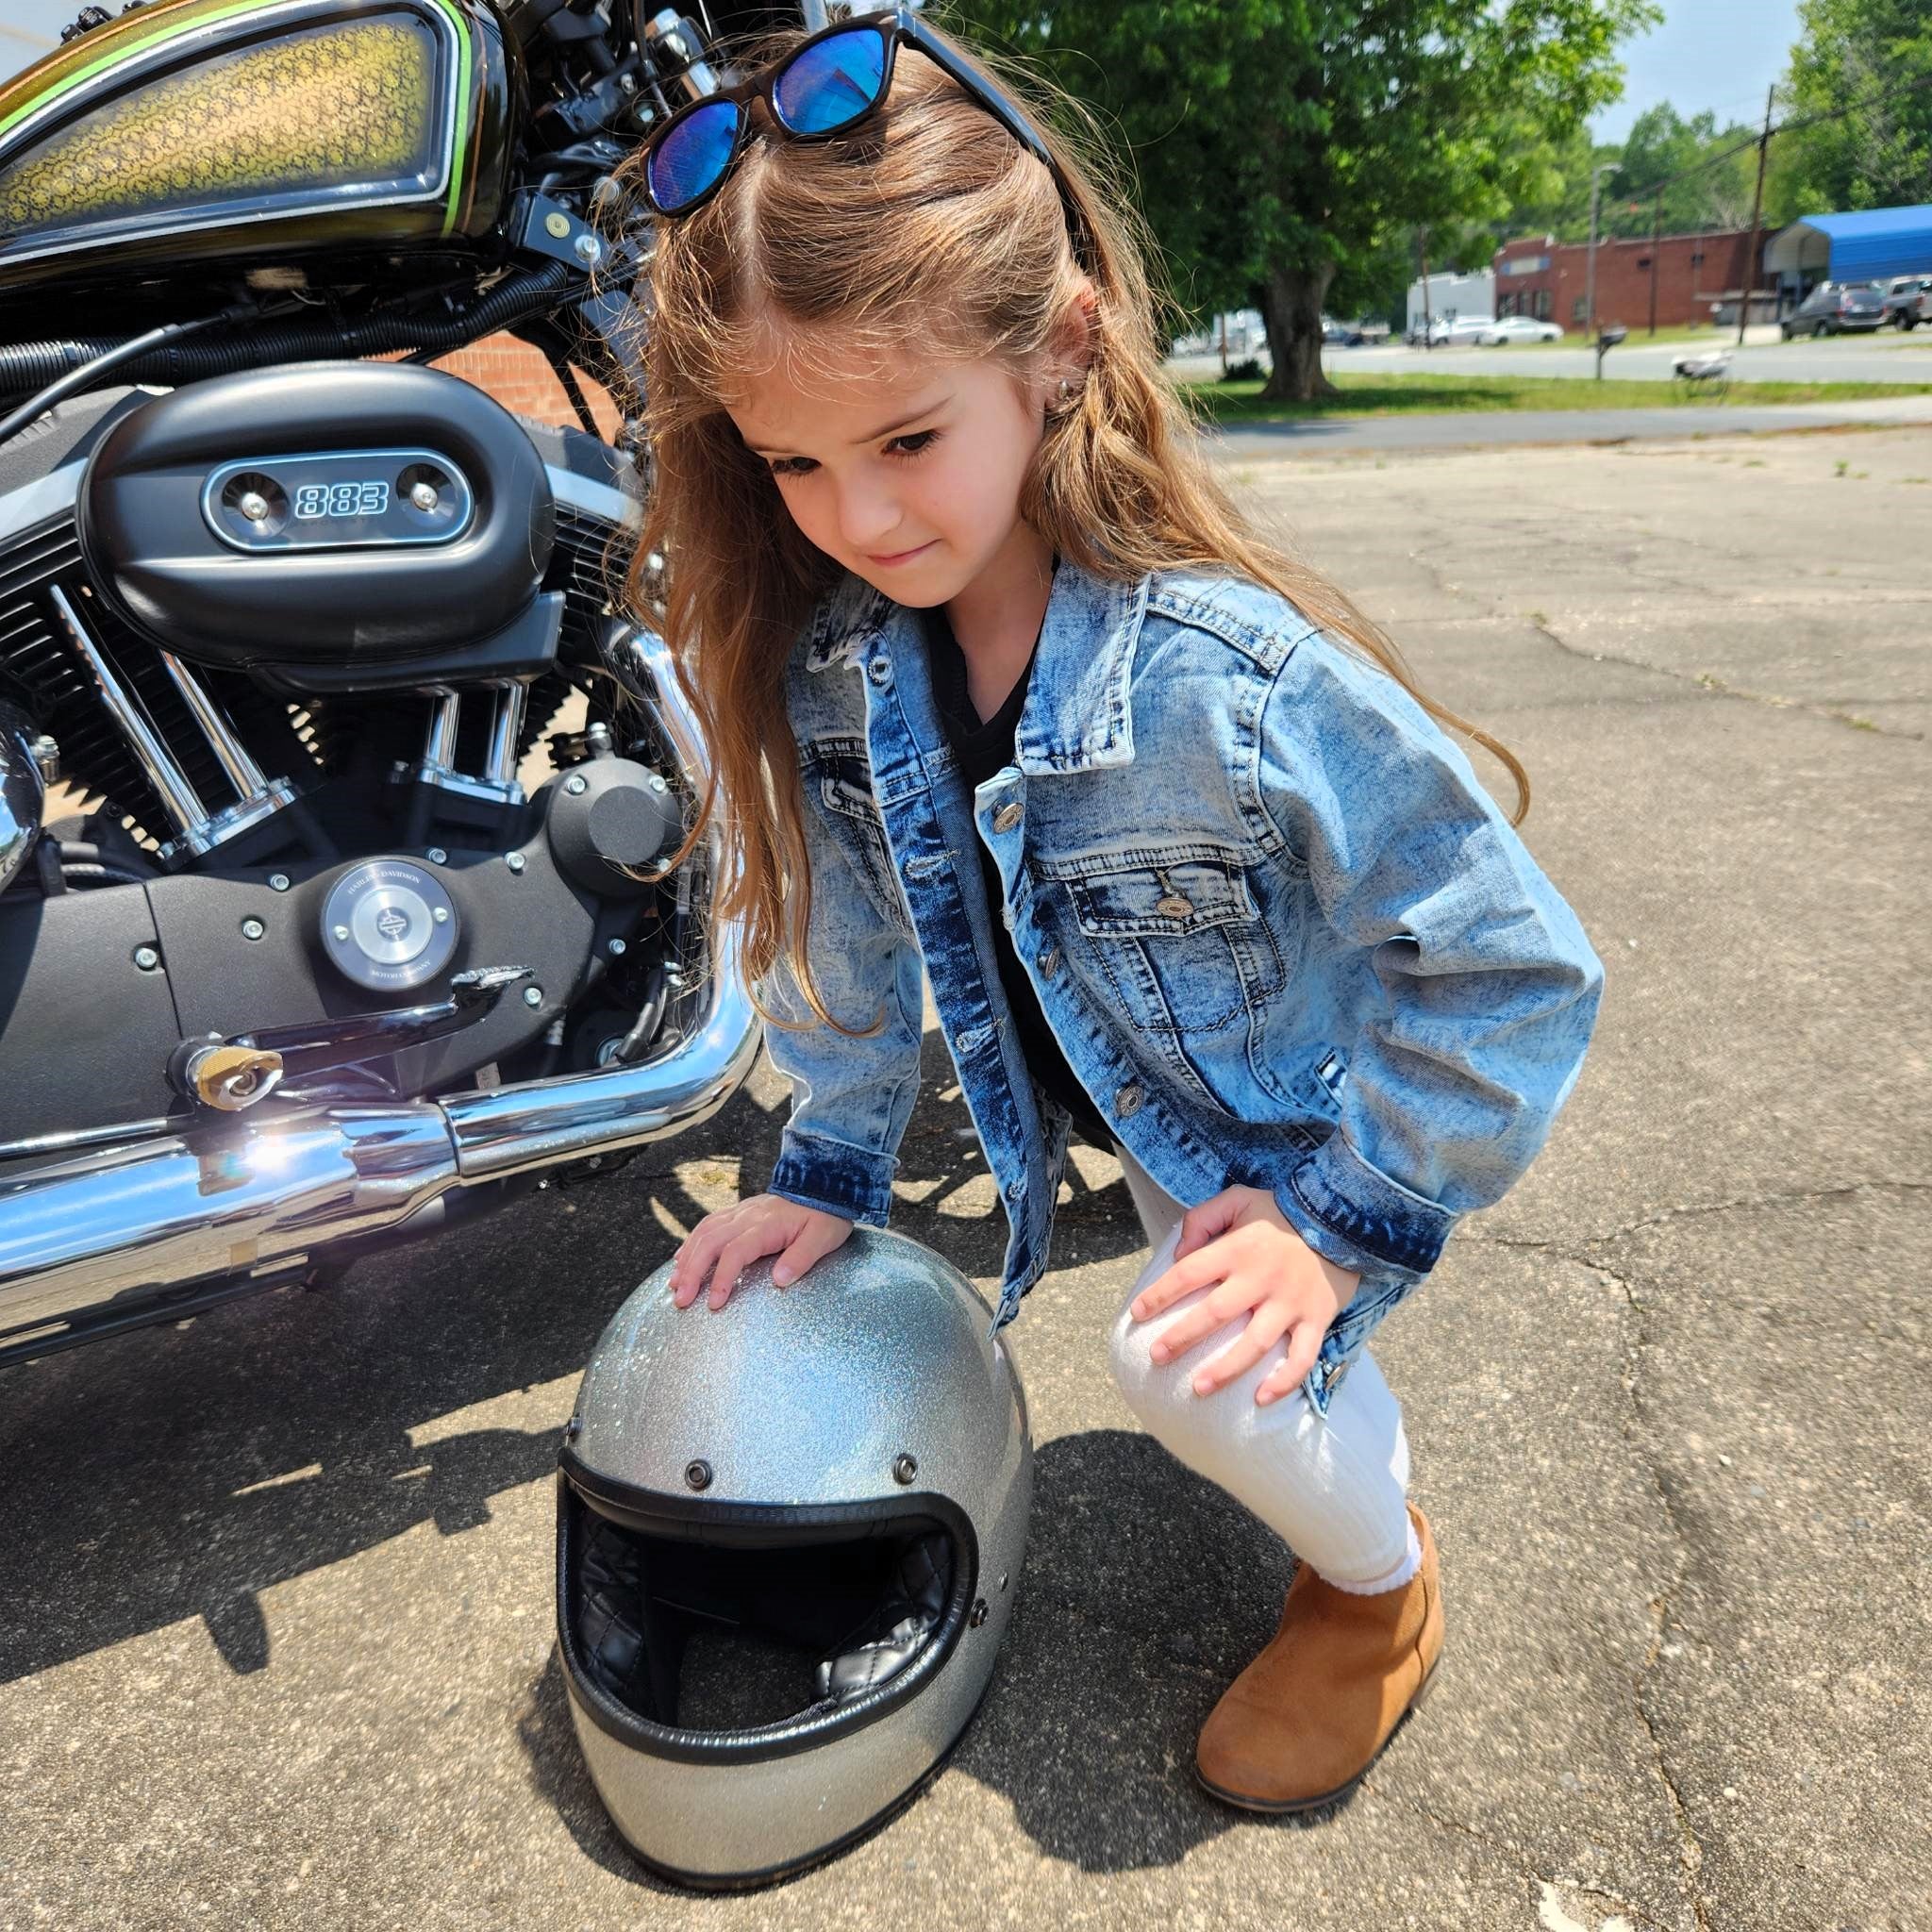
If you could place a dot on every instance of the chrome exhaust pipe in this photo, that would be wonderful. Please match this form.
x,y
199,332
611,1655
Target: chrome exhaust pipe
x,y
101,1239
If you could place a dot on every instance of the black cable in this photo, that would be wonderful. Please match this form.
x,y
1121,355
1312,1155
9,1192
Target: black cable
x,y
82,376
26,365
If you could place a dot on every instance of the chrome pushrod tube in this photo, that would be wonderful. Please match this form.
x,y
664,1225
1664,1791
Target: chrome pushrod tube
x,y
23,792
517,1128
180,798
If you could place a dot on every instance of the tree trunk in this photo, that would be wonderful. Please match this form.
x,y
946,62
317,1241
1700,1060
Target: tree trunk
x,y
1292,313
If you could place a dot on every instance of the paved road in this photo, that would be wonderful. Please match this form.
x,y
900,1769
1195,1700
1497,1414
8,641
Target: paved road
x,y
1487,428
275,1630
1886,357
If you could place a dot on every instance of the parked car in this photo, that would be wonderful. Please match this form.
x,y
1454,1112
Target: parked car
x,y
1905,298
1352,335
1458,329
1832,308
1520,328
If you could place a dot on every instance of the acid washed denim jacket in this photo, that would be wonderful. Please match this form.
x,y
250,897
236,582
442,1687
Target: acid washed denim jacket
x,y
1284,936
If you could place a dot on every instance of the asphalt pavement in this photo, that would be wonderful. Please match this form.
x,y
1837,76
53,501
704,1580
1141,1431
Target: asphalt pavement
x,y
276,1636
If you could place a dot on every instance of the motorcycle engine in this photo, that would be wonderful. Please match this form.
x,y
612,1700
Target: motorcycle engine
x,y
292,636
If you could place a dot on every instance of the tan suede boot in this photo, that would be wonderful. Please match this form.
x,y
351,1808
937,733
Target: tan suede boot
x,y
1301,1723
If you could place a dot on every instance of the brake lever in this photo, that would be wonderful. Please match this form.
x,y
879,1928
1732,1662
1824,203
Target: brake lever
x,y
233,1073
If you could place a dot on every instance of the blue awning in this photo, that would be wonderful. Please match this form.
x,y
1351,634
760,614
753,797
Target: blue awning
x,y
1861,247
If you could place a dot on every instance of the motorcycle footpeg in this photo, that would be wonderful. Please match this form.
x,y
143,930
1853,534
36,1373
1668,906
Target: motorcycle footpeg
x,y
228,1074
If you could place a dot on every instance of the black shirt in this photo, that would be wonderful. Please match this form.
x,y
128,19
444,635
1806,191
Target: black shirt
x,y
982,748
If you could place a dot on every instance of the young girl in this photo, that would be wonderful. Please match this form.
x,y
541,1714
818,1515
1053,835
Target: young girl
x,y
1000,685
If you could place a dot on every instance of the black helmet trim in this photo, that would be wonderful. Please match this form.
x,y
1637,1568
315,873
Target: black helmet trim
x,y
656,1513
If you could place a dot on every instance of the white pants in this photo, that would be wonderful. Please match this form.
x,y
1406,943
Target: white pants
x,y
1334,1490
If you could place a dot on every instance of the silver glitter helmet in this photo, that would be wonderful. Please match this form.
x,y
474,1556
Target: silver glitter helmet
x,y
789,1535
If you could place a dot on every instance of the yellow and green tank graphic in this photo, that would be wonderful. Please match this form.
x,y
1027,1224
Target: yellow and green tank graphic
x,y
190,119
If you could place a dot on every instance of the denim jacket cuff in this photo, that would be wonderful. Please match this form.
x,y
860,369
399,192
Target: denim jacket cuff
x,y
1353,1215
834,1176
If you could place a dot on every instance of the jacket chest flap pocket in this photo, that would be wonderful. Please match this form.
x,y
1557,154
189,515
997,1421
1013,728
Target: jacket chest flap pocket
x,y
837,775
1181,938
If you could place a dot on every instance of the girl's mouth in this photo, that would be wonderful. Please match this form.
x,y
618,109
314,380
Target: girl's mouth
x,y
903,556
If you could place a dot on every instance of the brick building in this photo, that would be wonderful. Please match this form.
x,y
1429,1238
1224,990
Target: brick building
x,y
1545,279
519,379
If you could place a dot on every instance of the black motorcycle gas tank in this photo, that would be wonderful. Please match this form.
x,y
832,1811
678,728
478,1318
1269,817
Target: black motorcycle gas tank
x,y
207,130
355,517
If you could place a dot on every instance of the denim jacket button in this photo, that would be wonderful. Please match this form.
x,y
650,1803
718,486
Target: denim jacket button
x,y
1015,1189
1173,907
1049,962
880,671
1008,817
1127,1101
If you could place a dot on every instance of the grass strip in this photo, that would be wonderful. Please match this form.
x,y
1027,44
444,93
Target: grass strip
x,y
1230,402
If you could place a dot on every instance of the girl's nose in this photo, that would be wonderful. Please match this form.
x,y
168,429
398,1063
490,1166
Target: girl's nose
x,y
867,518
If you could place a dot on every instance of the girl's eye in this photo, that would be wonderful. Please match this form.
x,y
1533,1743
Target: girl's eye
x,y
901,449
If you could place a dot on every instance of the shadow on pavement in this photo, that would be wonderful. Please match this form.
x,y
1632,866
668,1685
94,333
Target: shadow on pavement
x,y
179,1470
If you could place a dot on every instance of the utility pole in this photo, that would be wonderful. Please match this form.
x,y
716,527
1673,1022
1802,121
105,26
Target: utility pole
x,y
1756,213
1596,175
1657,246
1428,320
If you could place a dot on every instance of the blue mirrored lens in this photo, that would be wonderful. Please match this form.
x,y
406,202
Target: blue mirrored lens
x,y
832,81
687,162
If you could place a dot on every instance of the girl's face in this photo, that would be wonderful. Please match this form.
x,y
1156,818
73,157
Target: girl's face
x,y
905,470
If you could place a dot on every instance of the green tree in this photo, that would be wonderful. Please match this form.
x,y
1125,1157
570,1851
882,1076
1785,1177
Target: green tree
x,y
1859,110
1704,174
1280,143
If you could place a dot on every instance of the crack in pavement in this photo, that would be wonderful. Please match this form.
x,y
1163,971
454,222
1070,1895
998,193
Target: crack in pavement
x,y
1436,572
1718,686
1516,1855
1692,1207
1691,1847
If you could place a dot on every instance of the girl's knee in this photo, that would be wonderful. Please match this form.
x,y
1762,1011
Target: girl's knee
x,y
1160,1393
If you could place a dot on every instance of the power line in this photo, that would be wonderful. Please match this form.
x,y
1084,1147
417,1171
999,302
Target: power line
x,y
1709,161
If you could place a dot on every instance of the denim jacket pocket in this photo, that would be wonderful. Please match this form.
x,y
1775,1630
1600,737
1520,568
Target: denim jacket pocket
x,y
837,774
1181,938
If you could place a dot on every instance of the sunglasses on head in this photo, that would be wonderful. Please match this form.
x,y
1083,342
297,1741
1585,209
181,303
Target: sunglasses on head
x,y
823,86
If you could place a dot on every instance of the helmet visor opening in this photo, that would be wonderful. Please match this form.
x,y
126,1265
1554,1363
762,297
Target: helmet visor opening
x,y
720,1631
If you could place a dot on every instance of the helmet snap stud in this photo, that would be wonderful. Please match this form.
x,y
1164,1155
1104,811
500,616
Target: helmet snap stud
x,y
976,1615
904,1468
698,1475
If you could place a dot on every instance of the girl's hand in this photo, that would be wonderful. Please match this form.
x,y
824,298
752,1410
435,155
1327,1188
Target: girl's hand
x,y
734,1237
1241,1240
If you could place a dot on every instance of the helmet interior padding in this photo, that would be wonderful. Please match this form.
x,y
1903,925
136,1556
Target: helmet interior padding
x,y
751,1631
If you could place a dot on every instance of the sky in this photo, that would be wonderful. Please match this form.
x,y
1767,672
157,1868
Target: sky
x,y
1715,54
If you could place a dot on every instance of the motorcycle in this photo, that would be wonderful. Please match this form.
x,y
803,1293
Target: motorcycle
x,y
305,970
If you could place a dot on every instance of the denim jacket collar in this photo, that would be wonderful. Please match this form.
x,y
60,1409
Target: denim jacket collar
x,y
1076,715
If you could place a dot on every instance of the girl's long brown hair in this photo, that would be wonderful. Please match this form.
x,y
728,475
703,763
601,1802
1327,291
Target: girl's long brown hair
x,y
928,227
